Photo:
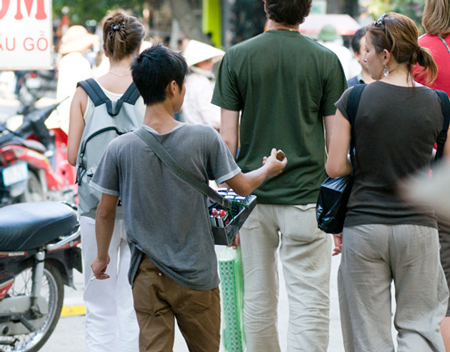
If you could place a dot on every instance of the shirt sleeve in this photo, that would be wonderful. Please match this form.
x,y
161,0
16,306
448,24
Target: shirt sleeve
x,y
335,85
226,92
221,163
106,177
341,104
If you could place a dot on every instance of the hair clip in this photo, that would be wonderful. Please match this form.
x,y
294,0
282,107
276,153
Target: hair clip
x,y
380,22
116,27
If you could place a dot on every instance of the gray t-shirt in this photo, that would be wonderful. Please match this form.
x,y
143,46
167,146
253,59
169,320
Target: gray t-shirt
x,y
165,218
395,131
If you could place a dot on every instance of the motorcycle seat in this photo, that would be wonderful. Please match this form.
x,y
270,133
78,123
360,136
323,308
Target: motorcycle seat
x,y
28,226
28,143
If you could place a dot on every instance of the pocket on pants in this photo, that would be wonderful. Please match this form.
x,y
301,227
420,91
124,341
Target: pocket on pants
x,y
148,288
300,223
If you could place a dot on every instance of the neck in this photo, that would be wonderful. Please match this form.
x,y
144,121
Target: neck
x,y
122,67
275,26
366,76
160,117
399,76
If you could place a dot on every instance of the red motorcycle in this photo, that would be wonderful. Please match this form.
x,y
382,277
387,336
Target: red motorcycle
x,y
33,162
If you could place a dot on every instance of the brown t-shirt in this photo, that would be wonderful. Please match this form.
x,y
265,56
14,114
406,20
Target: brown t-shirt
x,y
396,129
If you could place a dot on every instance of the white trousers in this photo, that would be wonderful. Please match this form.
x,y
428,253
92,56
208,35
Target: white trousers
x,y
305,253
111,323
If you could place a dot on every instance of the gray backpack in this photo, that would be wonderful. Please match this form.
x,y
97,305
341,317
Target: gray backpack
x,y
108,121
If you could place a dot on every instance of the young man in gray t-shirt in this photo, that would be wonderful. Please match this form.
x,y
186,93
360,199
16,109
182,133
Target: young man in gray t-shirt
x,y
173,266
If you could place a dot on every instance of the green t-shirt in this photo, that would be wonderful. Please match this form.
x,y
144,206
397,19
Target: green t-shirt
x,y
284,84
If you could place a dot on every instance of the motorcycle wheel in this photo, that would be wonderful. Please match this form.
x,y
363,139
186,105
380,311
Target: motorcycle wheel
x,y
33,190
53,291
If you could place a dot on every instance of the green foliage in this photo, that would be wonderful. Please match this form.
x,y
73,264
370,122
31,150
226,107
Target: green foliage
x,y
411,8
82,10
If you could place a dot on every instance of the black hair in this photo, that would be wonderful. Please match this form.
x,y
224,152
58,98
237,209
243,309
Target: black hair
x,y
356,39
154,69
288,12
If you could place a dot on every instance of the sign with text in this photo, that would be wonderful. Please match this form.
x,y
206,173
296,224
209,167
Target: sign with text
x,y
26,34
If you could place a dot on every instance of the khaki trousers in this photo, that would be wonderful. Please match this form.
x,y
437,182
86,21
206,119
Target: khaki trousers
x,y
305,253
158,300
374,256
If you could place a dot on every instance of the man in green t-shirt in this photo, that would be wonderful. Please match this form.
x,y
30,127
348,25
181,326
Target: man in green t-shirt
x,y
285,86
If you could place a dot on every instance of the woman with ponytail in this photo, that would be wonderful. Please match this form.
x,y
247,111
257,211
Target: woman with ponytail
x,y
385,240
111,323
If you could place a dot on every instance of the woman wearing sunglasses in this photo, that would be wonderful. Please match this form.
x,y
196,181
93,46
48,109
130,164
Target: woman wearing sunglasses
x,y
385,240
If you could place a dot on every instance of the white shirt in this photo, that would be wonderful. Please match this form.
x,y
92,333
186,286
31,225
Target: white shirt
x,y
197,107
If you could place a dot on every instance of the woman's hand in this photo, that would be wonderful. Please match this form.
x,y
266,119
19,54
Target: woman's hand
x,y
337,244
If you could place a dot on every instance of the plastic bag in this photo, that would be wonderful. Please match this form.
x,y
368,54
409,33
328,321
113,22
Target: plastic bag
x,y
332,203
232,295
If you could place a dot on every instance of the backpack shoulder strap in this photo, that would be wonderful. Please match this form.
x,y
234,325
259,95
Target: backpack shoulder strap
x,y
94,91
442,138
131,95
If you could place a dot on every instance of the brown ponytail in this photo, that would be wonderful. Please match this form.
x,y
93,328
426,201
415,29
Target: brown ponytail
x,y
122,34
424,58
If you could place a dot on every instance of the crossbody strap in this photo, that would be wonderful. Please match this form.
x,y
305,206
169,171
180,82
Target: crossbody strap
x,y
182,173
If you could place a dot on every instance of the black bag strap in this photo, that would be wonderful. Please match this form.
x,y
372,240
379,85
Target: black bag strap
x,y
182,173
442,138
352,110
98,97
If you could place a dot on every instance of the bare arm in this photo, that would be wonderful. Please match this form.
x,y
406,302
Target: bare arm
x,y
337,162
76,125
244,184
229,125
329,122
104,227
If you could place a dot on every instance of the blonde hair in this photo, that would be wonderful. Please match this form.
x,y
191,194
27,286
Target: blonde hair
x,y
436,17
398,34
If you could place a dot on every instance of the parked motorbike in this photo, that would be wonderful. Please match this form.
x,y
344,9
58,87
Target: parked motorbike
x,y
33,161
33,85
38,252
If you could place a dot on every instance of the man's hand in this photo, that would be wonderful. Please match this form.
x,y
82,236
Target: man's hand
x,y
337,244
275,165
236,241
99,268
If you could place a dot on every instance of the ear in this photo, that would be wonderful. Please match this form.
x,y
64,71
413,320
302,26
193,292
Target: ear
x,y
386,57
171,88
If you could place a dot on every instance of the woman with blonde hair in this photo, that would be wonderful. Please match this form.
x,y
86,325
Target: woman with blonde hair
x,y
384,239
436,21
111,323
